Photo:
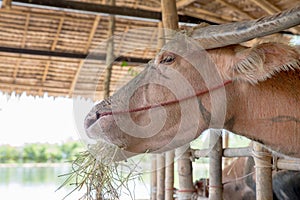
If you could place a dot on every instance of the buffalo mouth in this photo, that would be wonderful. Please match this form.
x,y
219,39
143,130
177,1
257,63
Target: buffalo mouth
x,y
95,114
102,127
104,131
95,123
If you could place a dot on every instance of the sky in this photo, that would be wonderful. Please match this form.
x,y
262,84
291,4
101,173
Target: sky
x,y
28,119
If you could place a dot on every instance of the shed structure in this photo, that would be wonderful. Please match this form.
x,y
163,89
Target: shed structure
x,y
58,47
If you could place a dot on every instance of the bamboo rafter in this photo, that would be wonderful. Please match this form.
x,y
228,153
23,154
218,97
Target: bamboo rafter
x,y
183,3
272,9
31,37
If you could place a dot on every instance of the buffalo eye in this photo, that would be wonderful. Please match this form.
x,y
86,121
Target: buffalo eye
x,y
167,59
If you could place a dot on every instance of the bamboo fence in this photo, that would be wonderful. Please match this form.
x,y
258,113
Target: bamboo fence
x,y
265,162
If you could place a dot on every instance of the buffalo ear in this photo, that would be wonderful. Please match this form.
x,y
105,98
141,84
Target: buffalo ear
x,y
263,61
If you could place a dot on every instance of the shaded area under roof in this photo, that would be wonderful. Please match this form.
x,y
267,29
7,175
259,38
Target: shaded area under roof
x,y
44,50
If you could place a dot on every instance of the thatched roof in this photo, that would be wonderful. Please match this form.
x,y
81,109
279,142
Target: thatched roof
x,y
43,49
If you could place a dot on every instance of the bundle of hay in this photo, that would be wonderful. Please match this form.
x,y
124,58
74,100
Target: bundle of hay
x,y
97,171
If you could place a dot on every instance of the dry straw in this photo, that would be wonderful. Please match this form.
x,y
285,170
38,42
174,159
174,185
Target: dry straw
x,y
96,171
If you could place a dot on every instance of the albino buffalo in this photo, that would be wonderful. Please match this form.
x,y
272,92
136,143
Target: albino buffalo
x,y
204,79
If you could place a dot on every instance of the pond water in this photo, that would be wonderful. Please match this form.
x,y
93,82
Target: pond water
x,y
37,182
41,182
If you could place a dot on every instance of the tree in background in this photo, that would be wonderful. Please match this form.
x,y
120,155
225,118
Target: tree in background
x,y
40,153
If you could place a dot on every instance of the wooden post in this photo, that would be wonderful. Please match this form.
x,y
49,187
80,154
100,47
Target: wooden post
x,y
169,179
6,4
225,145
262,158
215,165
109,64
169,14
109,53
170,21
153,178
186,187
160,177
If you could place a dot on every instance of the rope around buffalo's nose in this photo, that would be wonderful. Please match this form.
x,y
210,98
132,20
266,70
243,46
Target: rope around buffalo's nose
x,y
164,103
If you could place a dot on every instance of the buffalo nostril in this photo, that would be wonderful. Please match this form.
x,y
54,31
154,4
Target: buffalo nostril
x,y
97,115
89,120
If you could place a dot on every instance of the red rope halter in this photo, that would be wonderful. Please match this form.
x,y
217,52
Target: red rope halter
x,y
165,103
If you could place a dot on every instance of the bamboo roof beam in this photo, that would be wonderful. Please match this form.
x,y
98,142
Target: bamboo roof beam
x,y
44,76
106,9
29,58
146,51
22,45
266,6
92,33
35,87
45,71
183,3
51,15
81,62
16,69
272,9
236,9
206,15
53,46
25,30
55,40
209,13
6,4
122,39
129,59
72,88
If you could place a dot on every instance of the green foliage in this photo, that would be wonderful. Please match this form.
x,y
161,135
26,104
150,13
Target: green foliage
x,y
132,71
40,153
68,149
9,154
124,64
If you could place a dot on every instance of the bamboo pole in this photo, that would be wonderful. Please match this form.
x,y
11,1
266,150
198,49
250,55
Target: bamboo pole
x,y
153,178
169,179
215,165
281,163
183,3
109,53
186,187
6,4
170,22
225,145
160,195
289,164
169,14
262,158
109,64
227,152
160,177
